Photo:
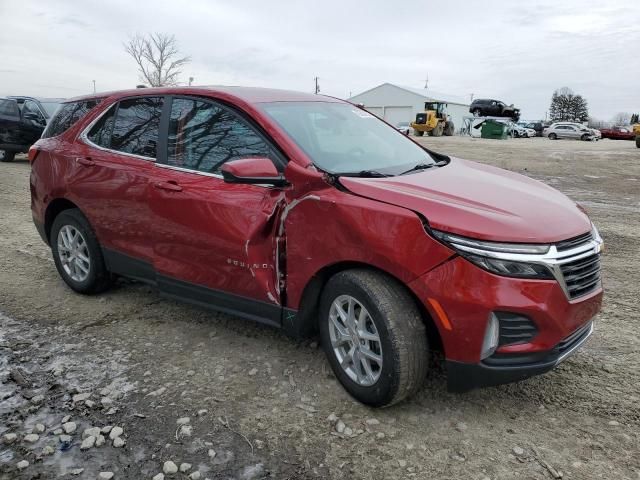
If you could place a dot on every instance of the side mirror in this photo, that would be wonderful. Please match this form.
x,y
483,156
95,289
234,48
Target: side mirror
x,y
253,171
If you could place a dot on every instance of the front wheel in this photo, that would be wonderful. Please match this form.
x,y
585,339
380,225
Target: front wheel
x,y
374,337
6,156
585,137
477,112
77,253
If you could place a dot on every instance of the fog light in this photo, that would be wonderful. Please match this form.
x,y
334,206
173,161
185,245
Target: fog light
x,y
491,337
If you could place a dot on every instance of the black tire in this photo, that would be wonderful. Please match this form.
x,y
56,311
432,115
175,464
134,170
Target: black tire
x,y
553,136
477,112
402,333
450,129
585,137
638,141
419,133
98,278
6,156
438,131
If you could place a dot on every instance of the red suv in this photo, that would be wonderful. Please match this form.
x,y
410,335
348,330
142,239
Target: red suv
x,y
308,213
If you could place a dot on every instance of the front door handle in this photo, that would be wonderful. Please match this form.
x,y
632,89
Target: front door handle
x,y
87,162
171,186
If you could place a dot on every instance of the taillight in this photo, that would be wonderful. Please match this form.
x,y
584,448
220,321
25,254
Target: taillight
x,y
33,153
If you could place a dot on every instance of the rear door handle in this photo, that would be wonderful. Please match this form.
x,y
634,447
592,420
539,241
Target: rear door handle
x,y
171,186
87,162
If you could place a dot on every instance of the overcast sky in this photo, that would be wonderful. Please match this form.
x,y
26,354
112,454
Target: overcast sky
x,y
515,51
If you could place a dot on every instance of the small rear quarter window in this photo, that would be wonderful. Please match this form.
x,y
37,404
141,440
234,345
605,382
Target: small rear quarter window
x,y
67,115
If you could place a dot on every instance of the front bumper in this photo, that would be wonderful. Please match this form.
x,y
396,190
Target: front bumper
x,y
468,295
499,369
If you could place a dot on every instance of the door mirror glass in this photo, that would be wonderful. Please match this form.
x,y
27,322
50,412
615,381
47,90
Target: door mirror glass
x,y
257,170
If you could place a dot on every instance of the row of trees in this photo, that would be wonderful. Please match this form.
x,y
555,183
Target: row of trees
x,y
567,106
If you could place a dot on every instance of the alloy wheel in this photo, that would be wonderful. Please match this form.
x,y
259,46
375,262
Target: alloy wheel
x,y
73,253
355,340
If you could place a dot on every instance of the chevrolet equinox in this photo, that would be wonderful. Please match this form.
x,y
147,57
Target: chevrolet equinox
x,y
308,214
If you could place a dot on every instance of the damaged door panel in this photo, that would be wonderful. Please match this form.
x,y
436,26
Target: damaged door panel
x,y
217,235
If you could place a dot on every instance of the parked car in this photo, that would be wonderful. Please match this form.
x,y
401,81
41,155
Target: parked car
x,y
22,120
575,131
597,135
404,127
618,133
516,131
531,132
537,126
309,214
493,108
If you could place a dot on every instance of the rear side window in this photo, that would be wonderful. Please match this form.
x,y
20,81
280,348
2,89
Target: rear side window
x,y
203,136
67,115
136,126
100,133
9,108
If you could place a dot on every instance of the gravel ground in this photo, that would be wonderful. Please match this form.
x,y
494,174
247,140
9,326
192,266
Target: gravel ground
x,y
195,391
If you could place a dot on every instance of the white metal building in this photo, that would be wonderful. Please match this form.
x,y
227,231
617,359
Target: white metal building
x,y
396,103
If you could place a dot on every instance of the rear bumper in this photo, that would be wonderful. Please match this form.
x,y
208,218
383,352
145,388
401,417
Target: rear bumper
x,y
500,369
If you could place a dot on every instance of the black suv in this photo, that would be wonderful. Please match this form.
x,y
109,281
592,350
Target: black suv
x,y
493,108
22,120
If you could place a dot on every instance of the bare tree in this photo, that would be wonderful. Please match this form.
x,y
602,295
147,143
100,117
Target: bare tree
x,y
158,58
621,118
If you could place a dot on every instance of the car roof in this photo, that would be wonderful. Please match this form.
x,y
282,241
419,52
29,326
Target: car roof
x,y
246,94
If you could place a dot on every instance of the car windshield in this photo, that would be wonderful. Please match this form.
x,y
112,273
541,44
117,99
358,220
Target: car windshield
x,y
343,139
50,107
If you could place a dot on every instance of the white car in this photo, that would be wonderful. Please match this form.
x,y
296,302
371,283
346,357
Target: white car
x,y
517,131
404,127
530,132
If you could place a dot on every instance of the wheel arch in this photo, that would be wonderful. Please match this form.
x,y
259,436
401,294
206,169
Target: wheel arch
x,y
54,209
306,317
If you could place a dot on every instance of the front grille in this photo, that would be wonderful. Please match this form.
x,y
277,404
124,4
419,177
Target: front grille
x,y
574,242
515,328
582,276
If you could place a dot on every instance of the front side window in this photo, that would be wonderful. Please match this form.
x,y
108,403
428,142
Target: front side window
x,y
68,115
136,126
340,138
203,136
32,114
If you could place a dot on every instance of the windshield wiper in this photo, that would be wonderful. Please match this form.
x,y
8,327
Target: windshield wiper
x,y
364,173
424,166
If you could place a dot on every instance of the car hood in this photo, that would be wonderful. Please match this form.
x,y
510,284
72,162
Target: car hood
x,y
480,201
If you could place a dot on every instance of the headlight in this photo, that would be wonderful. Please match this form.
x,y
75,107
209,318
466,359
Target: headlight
x,y
499,258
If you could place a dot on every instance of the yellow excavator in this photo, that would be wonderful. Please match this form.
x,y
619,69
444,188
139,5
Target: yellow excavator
x,y
635,119
434,120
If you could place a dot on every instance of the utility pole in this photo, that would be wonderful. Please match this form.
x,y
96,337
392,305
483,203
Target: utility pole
x,y
94,86
317,86
426,83
471,96
190,80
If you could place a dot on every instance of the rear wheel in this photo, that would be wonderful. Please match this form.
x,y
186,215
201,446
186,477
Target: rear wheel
x,y
419,133
77,253
373,336
638,141
6,156
553,136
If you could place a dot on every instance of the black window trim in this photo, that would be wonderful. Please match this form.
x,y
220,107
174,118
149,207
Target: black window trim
x,y
84,135
280,161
